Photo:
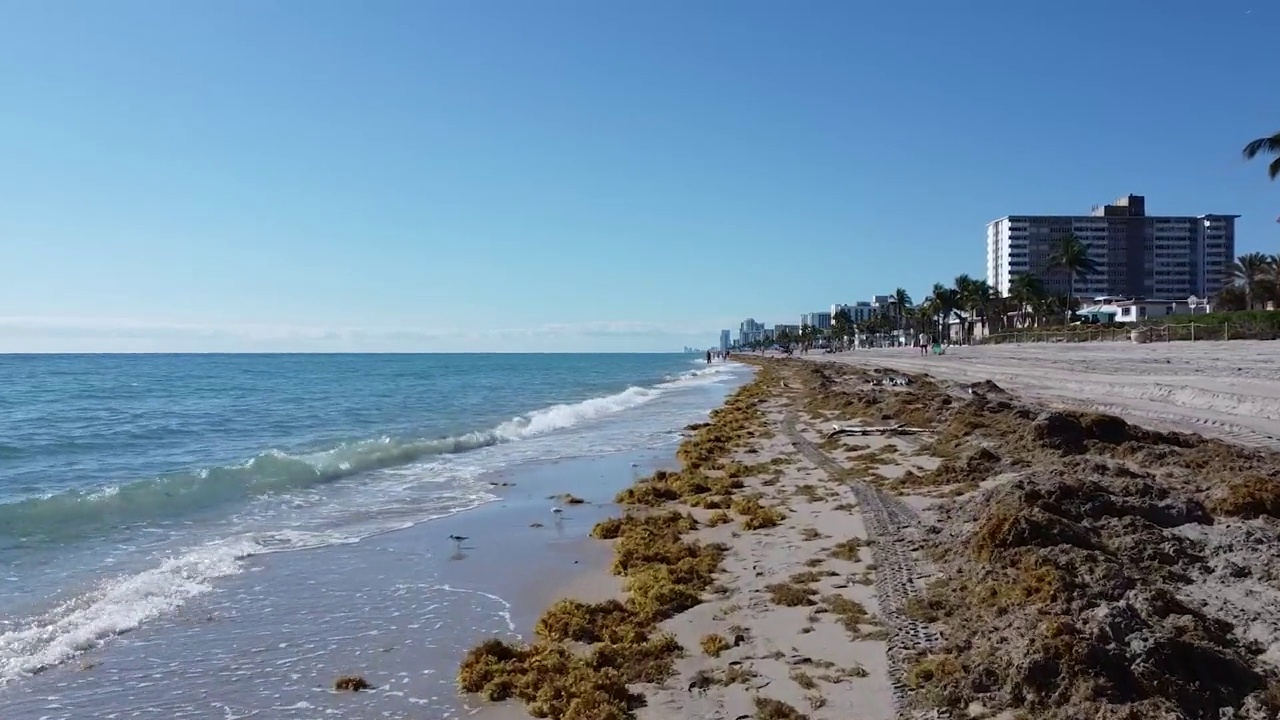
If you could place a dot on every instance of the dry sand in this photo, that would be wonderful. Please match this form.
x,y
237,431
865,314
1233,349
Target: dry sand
x,y
1222,389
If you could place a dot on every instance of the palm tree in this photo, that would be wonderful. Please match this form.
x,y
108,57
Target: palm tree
x,y
1273,280
883,325
1230,298
964,289
1004,307
1266,146
1250,271
901,305
975,299
1072,257
945,302
981,297
1025,290
784,340
841,325
927,316
806,337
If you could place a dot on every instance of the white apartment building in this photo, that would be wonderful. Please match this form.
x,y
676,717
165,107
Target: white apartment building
x,y
860,311
819,320
1135,254
863,311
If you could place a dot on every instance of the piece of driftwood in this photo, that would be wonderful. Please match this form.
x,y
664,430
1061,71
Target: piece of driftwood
x,y
899,429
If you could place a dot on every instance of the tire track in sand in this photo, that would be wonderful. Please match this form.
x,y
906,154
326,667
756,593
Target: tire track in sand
x,y
893,527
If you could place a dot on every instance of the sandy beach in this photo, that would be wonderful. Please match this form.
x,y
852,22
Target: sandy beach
x,y
1229,390
963,551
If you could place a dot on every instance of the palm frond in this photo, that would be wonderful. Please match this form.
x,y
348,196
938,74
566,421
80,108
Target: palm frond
x,y
1262,146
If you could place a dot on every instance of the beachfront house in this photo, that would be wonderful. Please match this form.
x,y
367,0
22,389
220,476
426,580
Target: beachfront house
x,y
1113,309
962,327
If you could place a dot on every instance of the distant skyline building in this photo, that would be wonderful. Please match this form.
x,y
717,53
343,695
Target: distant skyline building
x,y
1168,257
819,320
724,340
750,331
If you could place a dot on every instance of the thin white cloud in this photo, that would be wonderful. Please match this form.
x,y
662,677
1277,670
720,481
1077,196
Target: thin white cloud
x,y
109,334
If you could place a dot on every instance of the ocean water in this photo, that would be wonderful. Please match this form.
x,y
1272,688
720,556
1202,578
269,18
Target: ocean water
x,y
131,486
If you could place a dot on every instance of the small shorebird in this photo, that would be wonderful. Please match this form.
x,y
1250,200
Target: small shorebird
x,y
458,540
557,510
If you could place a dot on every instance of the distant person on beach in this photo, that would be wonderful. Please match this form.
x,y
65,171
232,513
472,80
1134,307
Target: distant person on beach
x,y
924,343
708,357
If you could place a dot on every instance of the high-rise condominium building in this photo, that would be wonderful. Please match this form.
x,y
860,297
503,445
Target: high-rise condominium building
x,y
1166,257
724,340
819,320
750,331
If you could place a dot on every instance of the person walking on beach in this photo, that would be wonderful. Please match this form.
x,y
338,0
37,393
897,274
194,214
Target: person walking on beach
x,y
708,357
924,343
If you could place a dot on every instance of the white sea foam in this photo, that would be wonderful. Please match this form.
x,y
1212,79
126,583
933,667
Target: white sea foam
x,y
559,417
706,373
122,604
117,606
504,613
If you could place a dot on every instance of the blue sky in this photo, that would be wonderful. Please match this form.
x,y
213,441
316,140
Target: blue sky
x,y
332,175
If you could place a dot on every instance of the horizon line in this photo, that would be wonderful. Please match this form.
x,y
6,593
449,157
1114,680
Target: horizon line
x,y
349,352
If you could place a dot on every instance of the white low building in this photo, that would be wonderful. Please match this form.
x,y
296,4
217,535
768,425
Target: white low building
x,y
1132,310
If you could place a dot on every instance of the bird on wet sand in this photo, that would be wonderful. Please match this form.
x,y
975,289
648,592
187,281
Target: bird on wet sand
x,y
458,540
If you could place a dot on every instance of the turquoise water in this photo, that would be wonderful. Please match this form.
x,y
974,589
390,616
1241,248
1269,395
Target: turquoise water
x,y
129,484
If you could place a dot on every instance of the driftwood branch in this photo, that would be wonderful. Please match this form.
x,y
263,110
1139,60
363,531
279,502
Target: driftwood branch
x,y
899,429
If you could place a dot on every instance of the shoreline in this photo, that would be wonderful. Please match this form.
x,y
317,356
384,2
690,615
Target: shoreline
x,y
902,573
717,594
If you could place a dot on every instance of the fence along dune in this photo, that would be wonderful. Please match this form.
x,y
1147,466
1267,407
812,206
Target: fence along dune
x,y
1252,325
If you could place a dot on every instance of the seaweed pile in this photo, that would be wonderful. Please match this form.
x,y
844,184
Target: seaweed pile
x,y
1065,589
586,655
